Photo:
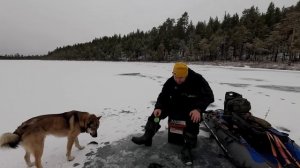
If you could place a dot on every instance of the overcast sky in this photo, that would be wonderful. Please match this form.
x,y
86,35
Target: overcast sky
x,y
39,26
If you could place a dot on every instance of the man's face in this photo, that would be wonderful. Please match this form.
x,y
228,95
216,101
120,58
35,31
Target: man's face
x,y
179,80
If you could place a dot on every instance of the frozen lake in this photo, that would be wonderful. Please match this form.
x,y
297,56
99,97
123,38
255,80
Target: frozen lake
x,y
124,94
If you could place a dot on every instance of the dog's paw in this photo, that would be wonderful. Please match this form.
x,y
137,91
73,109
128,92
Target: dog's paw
x,y
70,158
31,164
80,147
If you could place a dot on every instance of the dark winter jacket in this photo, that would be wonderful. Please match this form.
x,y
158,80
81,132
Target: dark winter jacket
x,y
194,93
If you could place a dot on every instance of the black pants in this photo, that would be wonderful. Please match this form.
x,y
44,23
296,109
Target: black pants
x,y
191,127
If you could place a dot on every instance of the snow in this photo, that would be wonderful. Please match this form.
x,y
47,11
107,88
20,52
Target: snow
x,y
124,94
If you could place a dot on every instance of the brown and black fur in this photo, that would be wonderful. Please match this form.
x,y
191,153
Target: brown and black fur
x,y
31,134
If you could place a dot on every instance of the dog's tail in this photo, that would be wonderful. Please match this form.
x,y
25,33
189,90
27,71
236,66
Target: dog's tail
x,y
9,140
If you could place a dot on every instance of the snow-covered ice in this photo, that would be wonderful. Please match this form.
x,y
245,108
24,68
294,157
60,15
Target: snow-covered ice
x,y
124,94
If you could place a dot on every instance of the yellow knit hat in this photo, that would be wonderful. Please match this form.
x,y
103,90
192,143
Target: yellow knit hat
x,y
180,70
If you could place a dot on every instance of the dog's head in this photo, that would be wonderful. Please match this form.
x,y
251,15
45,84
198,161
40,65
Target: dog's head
x,y
92,125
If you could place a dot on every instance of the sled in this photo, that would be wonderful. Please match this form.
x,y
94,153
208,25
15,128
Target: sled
x,y
277,149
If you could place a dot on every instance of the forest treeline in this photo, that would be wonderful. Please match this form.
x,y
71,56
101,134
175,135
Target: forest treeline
x,y
273,36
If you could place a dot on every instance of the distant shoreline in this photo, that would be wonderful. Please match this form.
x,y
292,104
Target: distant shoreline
x,y
265,65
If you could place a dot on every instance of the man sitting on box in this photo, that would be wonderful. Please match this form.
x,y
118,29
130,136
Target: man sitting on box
x,y
183,98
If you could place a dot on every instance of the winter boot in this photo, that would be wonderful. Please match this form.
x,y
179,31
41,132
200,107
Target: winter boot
x,y
186,156
186,152
150,129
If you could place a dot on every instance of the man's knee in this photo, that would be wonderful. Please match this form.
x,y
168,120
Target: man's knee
x,y
192,128
190,139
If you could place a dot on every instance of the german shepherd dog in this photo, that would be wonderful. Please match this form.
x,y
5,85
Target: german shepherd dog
x,y
31,133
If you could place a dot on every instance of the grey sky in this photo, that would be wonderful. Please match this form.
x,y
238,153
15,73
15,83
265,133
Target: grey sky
x,y
39,26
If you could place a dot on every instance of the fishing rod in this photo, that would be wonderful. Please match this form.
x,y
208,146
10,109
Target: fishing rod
x,y
225,151
217,139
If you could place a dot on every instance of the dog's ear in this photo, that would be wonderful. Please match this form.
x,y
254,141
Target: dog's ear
x,y
99,117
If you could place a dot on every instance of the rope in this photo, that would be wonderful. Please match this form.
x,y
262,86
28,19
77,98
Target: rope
x,y
282,152
287,151
273,150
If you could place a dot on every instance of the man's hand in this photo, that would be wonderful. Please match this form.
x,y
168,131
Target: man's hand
x,y
157,112
195,115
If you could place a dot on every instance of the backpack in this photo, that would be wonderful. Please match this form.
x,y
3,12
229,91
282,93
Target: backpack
x,y
235,103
